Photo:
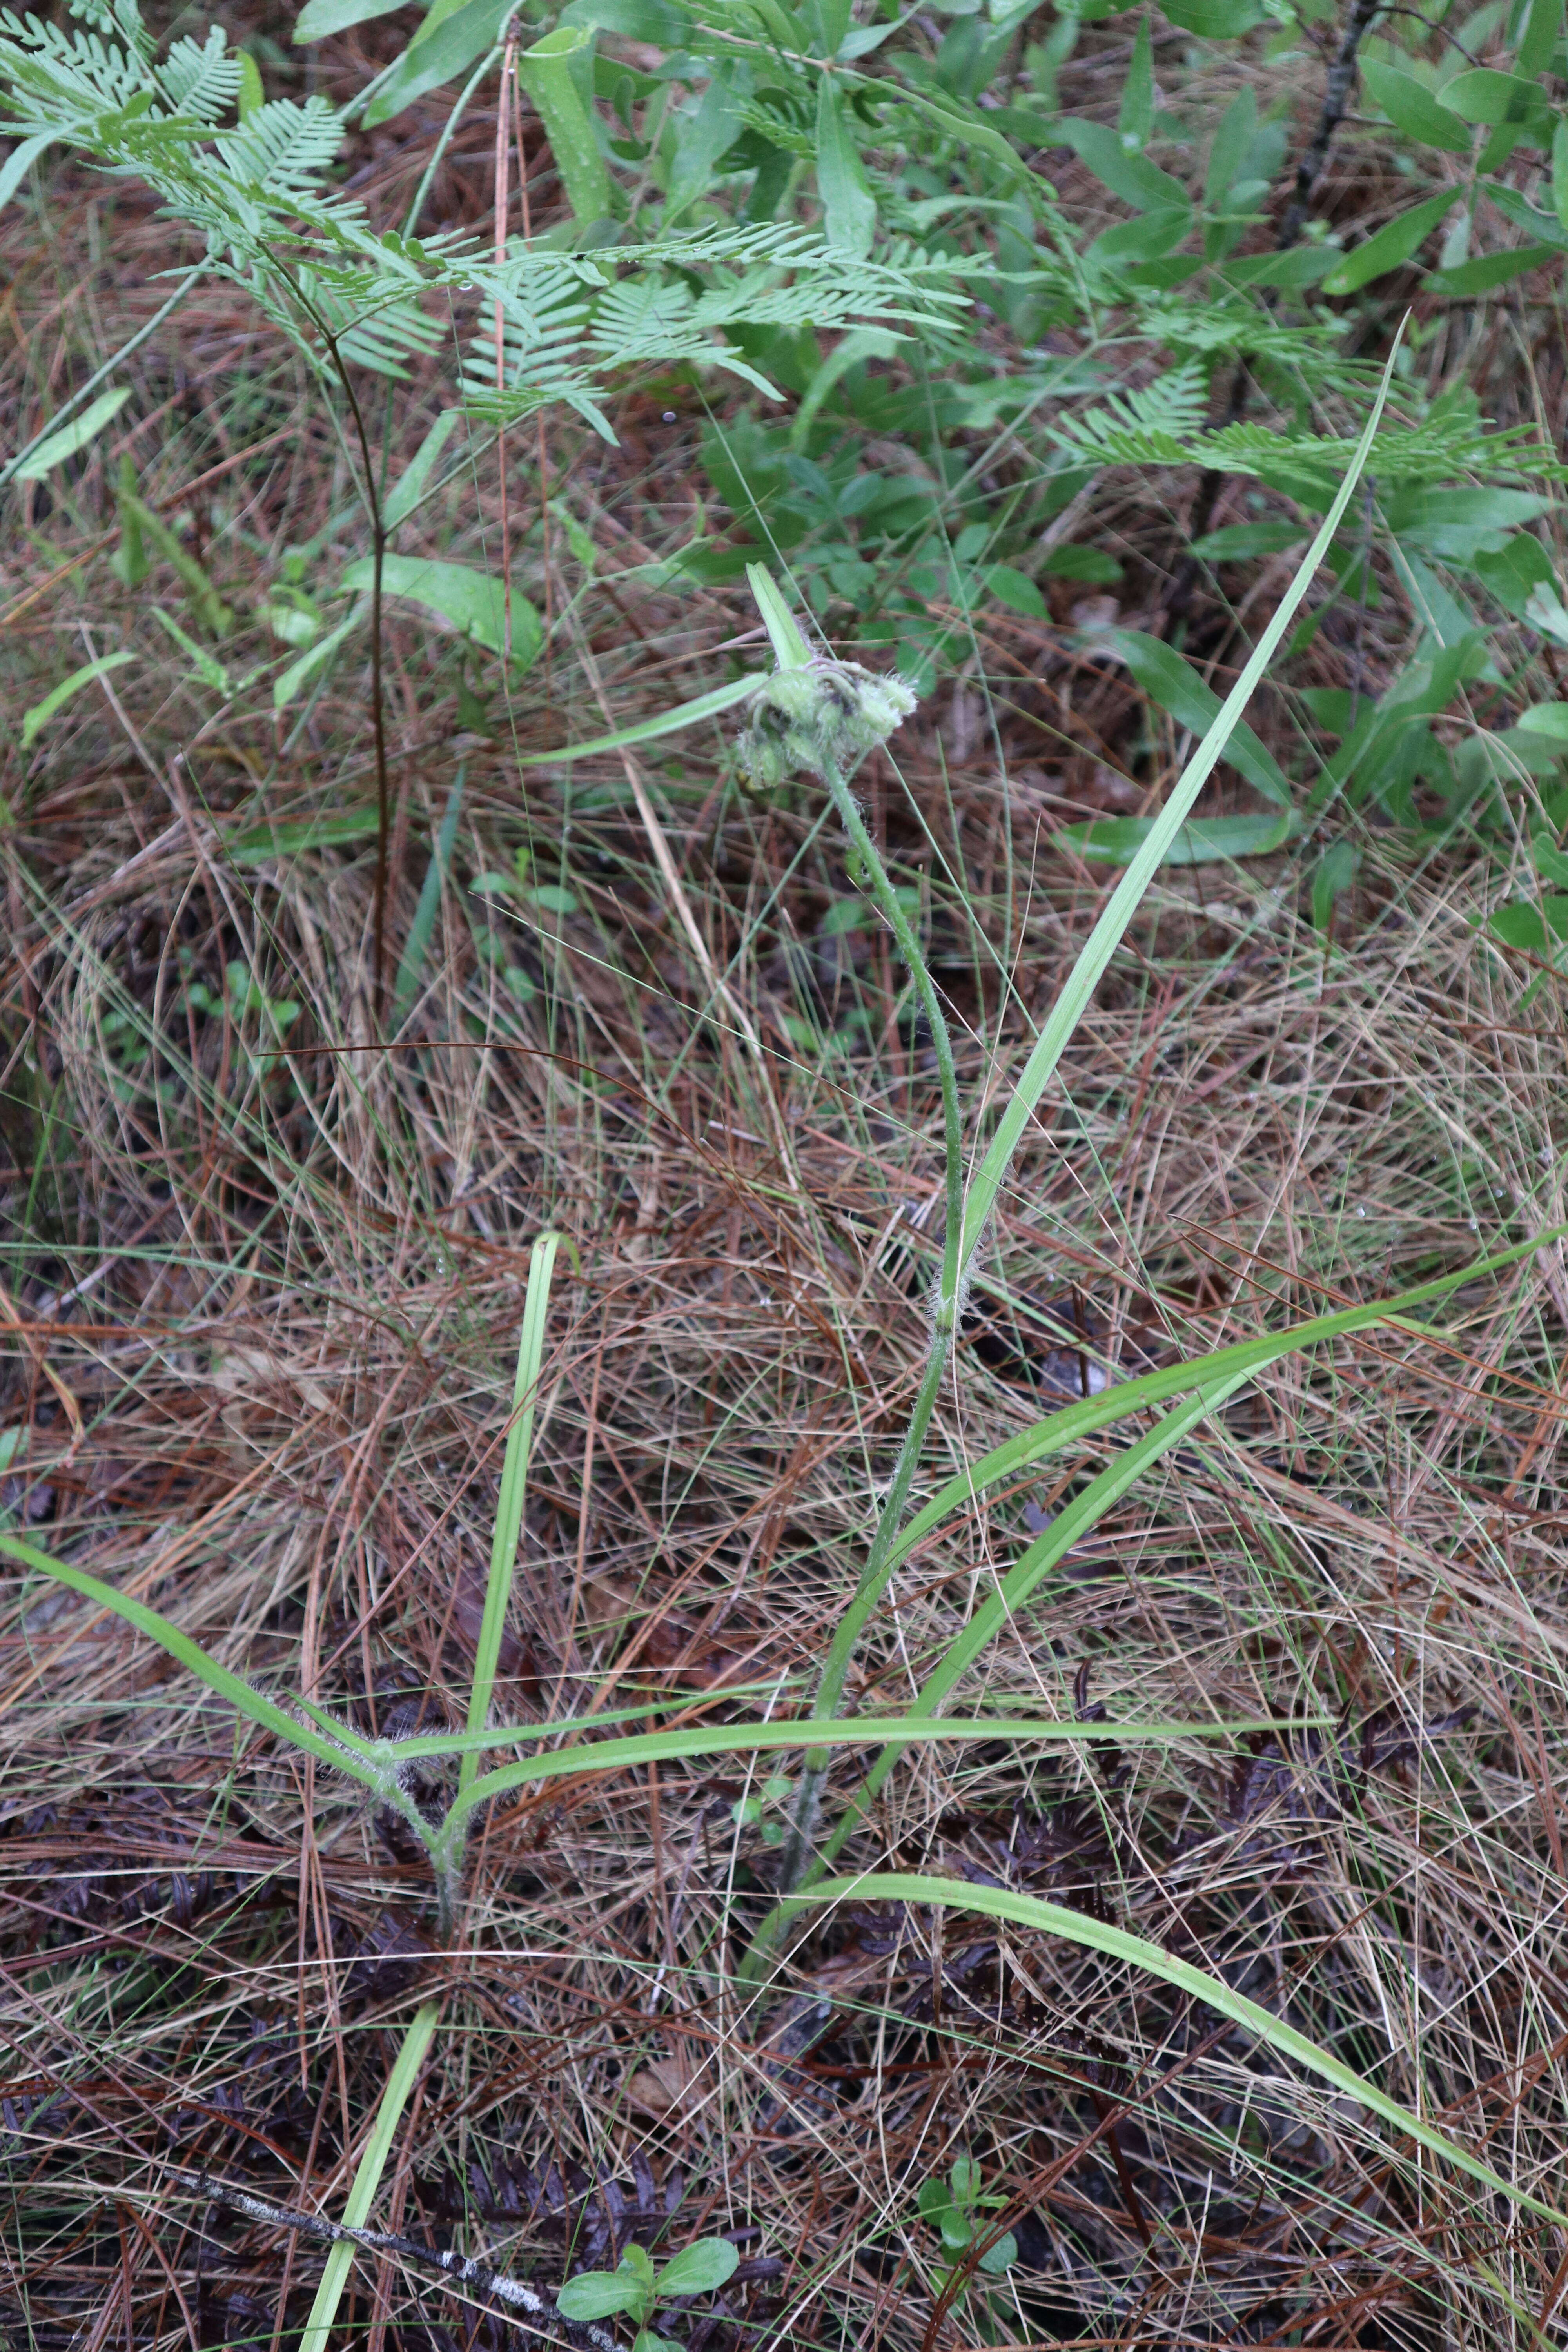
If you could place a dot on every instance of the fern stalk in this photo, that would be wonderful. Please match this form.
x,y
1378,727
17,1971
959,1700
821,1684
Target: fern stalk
x,y
377,687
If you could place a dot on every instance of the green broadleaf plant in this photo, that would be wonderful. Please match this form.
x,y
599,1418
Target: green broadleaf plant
x,y
957,2209
546,72
351,298
1392,245
275,224
469,602
636,2288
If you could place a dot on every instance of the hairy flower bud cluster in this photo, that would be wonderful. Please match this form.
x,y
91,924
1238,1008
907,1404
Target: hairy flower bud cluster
x,y
827,715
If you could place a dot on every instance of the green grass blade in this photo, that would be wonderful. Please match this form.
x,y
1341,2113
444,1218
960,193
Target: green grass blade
x,y
1085,977
59,446
1099,1935
648,730
519,1734
34,721
1069,1527
422,930
513,1488
857,1731
344,1751
367,2178
1071,1524
1058,1431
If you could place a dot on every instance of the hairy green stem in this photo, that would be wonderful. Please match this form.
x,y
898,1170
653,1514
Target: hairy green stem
x,y
797,1853
887,901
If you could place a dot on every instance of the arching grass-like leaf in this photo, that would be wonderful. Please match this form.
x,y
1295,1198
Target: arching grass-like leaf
x,y
648,730
547,72
72,437
318,19
508,1528
34,720
1100,1936
1085,976
395,2097
1117,840
1068,1428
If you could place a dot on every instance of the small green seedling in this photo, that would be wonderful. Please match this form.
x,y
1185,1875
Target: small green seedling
x,y
637,2289
247,997
955,2207
747,1812
293,618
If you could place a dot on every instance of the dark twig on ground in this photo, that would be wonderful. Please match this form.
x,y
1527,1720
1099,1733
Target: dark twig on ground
x,y
460,2270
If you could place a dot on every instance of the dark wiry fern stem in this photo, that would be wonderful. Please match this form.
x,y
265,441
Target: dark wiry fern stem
x,y
1309,172
377,693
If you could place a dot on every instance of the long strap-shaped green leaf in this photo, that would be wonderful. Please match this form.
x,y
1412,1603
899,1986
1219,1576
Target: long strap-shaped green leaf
x,y
1058,1431
1011,1595
1084,978
1213,1380
858,1731
344,1751
367,2178
375,1763
1067,1012
508,1529
648,730
1097,1935
545,71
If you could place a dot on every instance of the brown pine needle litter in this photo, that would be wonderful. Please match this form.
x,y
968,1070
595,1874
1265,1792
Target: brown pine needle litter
x,y
263,1274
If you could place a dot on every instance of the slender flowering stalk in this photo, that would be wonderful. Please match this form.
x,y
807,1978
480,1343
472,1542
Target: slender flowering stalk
x,y
791,728
824,716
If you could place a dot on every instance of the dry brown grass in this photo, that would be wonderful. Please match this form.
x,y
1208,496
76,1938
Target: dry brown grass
x,y
261,1315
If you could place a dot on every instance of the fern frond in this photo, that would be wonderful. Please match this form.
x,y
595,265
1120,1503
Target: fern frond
x,y
121,16
1149,427
369,325
281,150
1218,330
781,119
201,83
64,81
644,318
1302,465
539,363
1312,469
